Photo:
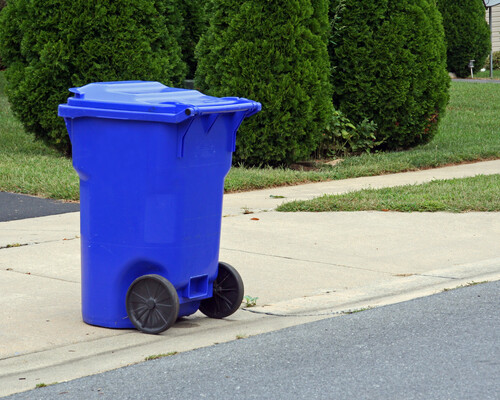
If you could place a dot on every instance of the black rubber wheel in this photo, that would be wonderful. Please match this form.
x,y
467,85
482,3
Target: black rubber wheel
x,y
152,304
228,293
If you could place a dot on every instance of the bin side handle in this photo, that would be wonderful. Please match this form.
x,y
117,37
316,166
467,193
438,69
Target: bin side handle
x,y
182,130
233,122
69,127
208,121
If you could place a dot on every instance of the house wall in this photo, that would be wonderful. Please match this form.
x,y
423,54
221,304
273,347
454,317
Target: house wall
x,y
495,38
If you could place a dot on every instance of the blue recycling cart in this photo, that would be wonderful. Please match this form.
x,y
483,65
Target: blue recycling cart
x,y
152,161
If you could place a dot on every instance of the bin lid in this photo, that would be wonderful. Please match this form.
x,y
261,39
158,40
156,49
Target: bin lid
x,y
151,101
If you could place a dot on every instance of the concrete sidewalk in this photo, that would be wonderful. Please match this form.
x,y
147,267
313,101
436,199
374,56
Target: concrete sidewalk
x,y
301,266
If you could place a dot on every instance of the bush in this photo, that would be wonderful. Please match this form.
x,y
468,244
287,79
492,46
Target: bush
x,y
49,46
3,3
467,34
274,52
194,25
389,67
496,61
342,137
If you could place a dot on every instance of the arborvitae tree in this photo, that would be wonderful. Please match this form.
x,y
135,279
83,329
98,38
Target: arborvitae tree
x,y
194,25
467,34
389,66
275,52
49,46
2,5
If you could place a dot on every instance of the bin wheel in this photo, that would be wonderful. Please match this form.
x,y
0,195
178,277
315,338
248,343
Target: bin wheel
x,y
152,304
227,294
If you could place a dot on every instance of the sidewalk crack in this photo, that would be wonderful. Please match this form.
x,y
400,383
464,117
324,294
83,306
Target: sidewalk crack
x,y
40,276
14,245
309,261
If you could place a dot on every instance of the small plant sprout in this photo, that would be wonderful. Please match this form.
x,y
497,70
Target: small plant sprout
x,y
241,336
246,210
473,283
41,385
358,310
250,301
162,355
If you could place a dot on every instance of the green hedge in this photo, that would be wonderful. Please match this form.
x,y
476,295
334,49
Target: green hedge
x,y
49,46
274,52
496,61
467,34
3,3
389,67
195,23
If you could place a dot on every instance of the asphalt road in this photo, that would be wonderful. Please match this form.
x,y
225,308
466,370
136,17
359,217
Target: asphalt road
x,y
18,206
444,346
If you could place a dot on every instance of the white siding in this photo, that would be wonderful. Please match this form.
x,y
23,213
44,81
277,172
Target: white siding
x,y
495,38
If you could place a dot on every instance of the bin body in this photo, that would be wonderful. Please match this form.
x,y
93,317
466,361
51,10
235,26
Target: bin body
x,y
152,168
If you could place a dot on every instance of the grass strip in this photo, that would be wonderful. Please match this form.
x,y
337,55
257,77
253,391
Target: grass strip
x,y
486,74
479,193
28,165
468,132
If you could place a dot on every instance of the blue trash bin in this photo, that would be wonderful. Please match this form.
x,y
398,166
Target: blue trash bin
x,y
152,162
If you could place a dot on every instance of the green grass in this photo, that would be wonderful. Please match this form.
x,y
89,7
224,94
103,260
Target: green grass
x,y
42,385
480,193
162,355
486,74
28,165
468,132
241,336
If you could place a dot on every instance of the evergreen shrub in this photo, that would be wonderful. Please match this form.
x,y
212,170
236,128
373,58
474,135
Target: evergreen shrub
x,y
274,52
3,3
467,34
389,67
49,46
195,23
496,61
